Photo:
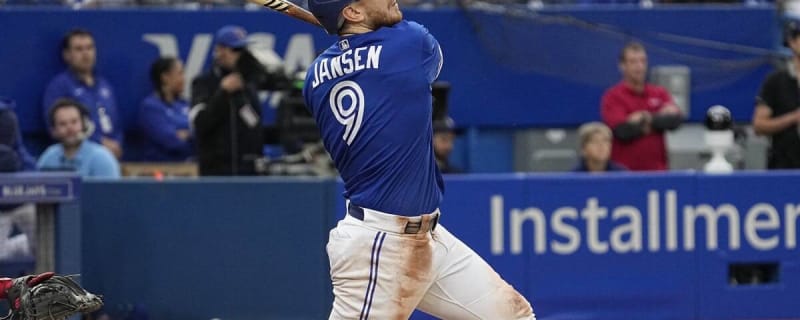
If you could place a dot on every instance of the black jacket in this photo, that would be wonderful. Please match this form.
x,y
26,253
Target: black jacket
x,y
217,116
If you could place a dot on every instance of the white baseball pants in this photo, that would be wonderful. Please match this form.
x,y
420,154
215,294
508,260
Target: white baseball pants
x,y
381,272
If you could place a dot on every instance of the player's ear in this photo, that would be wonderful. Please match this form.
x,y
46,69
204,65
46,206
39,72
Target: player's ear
x,y
353,13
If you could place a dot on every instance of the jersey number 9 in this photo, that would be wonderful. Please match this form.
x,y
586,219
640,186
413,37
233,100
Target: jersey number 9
x,y
347,104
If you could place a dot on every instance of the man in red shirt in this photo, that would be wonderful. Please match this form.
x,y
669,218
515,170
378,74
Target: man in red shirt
x,y
638,113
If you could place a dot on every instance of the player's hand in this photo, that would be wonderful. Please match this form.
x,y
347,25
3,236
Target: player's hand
x,y
643,119
639,117
232,82
647,122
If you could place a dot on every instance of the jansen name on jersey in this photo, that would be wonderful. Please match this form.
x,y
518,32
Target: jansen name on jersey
x,y
371,97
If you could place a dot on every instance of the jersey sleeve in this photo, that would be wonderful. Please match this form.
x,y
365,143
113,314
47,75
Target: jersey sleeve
x,y
432,57
431,52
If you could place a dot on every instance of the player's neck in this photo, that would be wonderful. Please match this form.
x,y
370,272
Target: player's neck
x,y
353,29
637,86
85,77
167,96
595,166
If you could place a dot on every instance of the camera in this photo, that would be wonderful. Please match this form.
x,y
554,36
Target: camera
x,y
718,118
256,74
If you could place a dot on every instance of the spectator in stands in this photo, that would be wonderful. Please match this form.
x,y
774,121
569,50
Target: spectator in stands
x,y
10,161
638,114
226,114
14,158
71,125
163,118
595,139
13,154
82,83
777,111
443,136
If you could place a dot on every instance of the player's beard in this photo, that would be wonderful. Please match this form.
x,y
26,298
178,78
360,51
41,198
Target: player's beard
x,y
72,141
386,18
71,138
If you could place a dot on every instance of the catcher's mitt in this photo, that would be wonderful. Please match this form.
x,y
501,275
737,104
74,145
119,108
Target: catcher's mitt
x,y
48,297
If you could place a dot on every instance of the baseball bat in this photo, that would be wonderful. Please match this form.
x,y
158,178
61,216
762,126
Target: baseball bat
x,y
289,9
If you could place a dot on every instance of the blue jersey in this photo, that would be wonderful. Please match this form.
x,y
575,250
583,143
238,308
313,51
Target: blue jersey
x,y
159,122
371,97
99,99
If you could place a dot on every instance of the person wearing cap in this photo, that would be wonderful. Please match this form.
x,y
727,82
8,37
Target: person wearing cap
x,y
226,113
777,111
639,114
444,133
371,96
83,83
595,149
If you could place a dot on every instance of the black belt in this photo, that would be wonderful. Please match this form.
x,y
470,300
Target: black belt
x,y
412,227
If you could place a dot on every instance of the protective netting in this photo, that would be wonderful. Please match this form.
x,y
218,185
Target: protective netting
x,y
569,48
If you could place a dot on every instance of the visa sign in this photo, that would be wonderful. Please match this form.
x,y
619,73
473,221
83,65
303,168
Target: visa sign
x,y
298,56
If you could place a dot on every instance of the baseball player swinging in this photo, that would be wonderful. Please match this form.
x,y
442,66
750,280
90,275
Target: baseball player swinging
x,y
370,95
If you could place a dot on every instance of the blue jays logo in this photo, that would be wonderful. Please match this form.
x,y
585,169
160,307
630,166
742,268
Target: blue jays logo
x,y
344,44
